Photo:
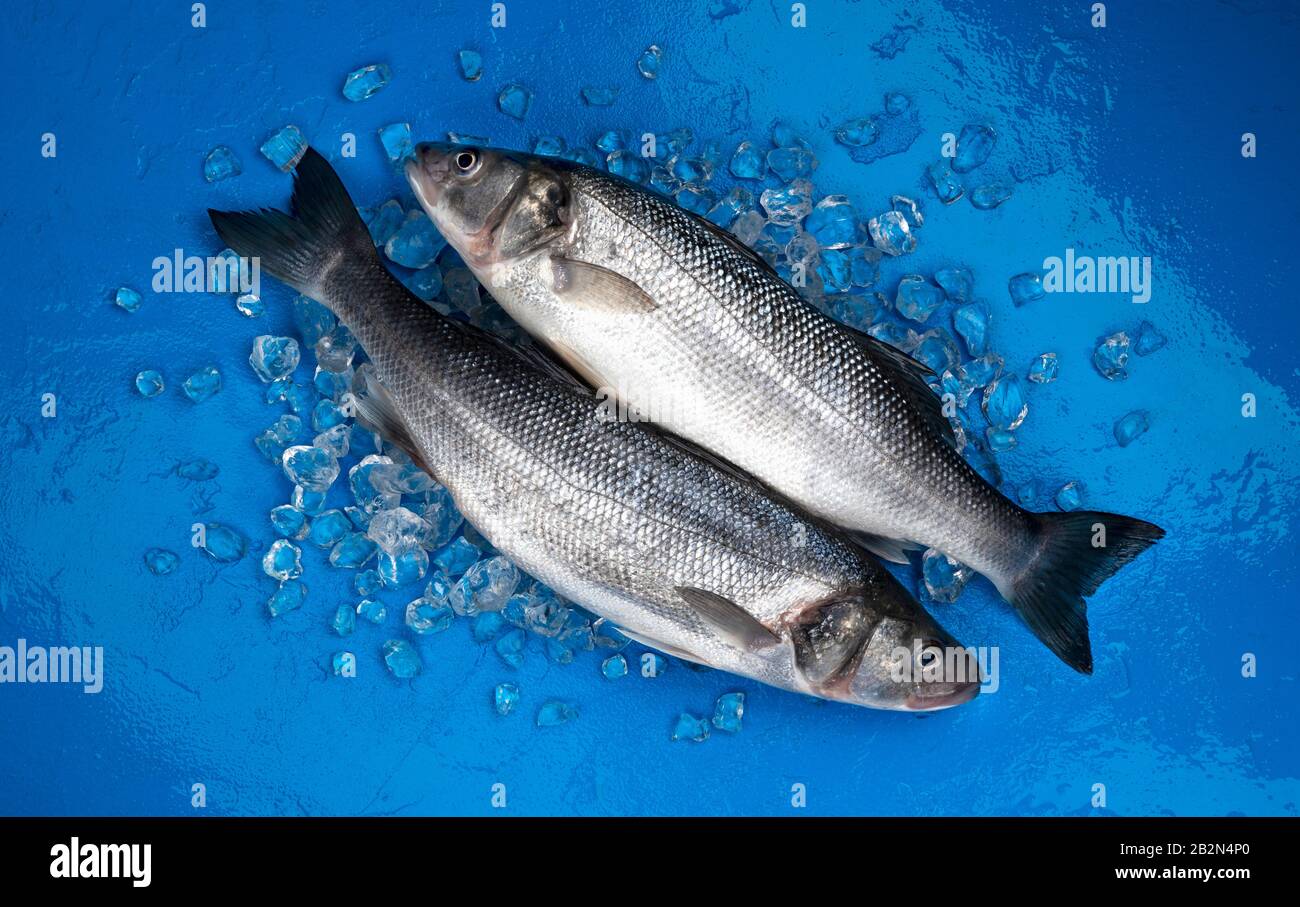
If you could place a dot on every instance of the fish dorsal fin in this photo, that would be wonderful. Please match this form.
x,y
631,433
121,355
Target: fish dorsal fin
x,y
375,408
597,289
735,625
727,238
909,378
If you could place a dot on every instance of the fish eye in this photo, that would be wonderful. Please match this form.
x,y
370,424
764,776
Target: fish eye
x,y
466,162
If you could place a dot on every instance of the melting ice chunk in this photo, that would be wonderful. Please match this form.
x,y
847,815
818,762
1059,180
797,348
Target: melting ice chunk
x,y
505,698
989,196
160,561
1004,403
352,551
747,163
283,560
289,521
614,667
514,100
1111,356
728,711
149,383
596,97
1043,369
974,146
891,233
285,148
203,384
471,65
1026,288
397,141
486,586
223,544
857,133
689,727
917,299
788,206
791,163
1148,339
289,597
344,664
273,357
249,305
221,163
944,577
313,468
416,243
367,81
1131,427
344,621
328,529
402,659
426,615
944,183
971,322
1070,497
511,648
649,62
555,712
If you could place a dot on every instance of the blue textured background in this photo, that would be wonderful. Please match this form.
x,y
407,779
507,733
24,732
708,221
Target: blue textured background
x,y
1128,139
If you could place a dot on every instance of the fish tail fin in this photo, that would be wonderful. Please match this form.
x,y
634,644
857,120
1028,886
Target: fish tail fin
x,y
303,249
1075,553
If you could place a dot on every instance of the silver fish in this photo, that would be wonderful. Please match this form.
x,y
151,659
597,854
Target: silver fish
x,y
678,319
684,556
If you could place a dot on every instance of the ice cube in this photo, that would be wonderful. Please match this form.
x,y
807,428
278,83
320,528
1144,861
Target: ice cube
x,y
747,162
283,560
628,165
285,147
1131,427
273,357
1026,288
505,698
289,597
160,561
367,583
695,199
944,577
730,206
416,243
917,299
485,586
583,156
471,65
728,711
374,611
383,223
511,648
344,664
250,305
463,290
1044,368
937,351
397,530
1111,356
1004,403
688,727
335,439
426,616
653,664
999,439
1148,339
149,383
403,568
344,621
791,163
454,559
402,659
397,141
910,208
614,667
366,82
896,102
313,468
1070,497
352,551
958,283
891,233
221,163
203,384
514,100
649,62
945,184
857,133
555,712
990,195
288,521
312,320
784,136
595,97
309,502
974,146
328,529
971,322
834,223
787,206
486,626
280,435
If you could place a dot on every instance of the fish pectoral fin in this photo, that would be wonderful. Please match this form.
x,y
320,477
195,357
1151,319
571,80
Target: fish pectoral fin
x,y
664,647
375,408
735,625
598,289
887,549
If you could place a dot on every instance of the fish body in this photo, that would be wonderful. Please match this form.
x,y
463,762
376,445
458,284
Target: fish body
x,y
670,314
685,556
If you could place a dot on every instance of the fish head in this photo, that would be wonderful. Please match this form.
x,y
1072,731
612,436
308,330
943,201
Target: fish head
x,y
492,206
887,654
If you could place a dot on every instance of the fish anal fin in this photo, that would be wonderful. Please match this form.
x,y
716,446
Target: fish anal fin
x,y
887,549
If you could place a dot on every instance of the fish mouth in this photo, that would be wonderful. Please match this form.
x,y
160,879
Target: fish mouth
x,y
425,172
920,701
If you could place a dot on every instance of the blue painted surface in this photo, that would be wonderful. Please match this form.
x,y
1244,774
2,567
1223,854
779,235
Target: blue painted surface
x,y
1128,139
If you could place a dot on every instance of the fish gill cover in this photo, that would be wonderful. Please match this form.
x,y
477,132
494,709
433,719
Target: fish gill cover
x,y
314,625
